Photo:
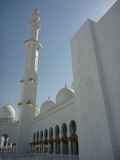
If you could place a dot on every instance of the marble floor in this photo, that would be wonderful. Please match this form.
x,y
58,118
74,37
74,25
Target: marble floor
x,y
37,157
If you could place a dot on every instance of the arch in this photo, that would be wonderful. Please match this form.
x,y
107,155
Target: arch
x,y
57,131
51,140
45,141
50,133
64,139
45,134
74,137
6,146
41,135
72,128
4,138
64,130
57,147
37,138
34,137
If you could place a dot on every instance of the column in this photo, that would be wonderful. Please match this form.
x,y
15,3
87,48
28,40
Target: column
x,y
13,149
74,146
39,147
49,146
43,147
54,146
34,148
30,147
69,145
61,146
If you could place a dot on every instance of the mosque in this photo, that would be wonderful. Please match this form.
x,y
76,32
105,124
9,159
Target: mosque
x,y
85,119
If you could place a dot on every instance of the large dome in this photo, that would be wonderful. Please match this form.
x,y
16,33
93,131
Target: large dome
x,y
47,106
7,112
64,95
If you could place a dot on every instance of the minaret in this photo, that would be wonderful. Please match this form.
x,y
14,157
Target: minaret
x,y
27,104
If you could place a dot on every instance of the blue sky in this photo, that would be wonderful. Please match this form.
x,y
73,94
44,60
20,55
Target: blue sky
x,y
60,20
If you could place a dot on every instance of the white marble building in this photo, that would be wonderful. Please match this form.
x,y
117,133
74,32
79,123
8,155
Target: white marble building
x,y
85,119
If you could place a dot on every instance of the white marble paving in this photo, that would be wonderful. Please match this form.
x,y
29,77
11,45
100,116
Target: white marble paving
x,y
37,157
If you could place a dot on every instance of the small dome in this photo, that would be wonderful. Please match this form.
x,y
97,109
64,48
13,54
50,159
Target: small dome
x,y
7,112
64,95
47,106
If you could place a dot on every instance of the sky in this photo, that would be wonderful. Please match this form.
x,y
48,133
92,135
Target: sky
x,y
60,20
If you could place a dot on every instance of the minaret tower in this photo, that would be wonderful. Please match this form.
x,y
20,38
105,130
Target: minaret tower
x,y
27,104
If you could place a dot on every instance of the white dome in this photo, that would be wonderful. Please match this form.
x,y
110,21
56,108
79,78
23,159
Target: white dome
x,y
47,106
7,112
64,95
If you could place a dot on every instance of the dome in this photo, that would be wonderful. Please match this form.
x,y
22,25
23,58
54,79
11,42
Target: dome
x,y
47,106
64,95
7,112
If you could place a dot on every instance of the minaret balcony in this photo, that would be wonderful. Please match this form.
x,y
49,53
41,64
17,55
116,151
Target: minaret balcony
x,y
31,80
29,103
28,44
22,80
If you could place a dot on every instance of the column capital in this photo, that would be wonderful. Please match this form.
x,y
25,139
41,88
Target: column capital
x,y
61,140
54,140
69,138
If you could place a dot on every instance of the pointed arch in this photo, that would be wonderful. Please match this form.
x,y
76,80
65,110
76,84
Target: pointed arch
x,y
41,135
73,137
64,139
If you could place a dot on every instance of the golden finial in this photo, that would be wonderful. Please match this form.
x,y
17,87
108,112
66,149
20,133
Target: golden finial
x,y
36,10
48,98
65,84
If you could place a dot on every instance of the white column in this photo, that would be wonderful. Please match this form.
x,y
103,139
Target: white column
x,y
74,147
61,146
13,148
54,146
43,148
69,146
39,147
49,147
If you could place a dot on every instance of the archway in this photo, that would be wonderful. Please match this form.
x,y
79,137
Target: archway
x,y
37,142
34,137
4,139
5,145
50,140
74,138
64,140
41,141
45,141
34,140
57,142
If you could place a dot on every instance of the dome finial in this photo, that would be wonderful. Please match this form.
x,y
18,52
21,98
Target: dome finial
x,y
36,10
8,103
48,98
65,84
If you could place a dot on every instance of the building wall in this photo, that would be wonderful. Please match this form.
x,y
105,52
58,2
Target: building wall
x,y
95,57
11,130
108,39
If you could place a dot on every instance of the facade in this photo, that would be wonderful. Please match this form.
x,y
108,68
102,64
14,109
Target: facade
x,y
90,108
